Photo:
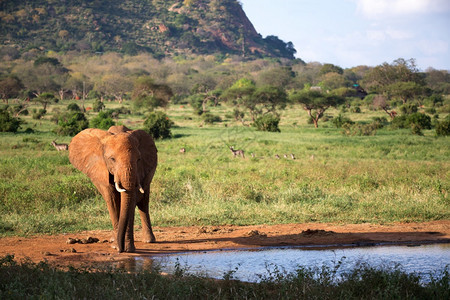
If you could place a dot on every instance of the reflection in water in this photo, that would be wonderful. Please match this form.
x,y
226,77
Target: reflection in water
x,y
251,265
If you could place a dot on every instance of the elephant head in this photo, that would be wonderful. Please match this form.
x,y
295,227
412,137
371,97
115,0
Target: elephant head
x,y
121,163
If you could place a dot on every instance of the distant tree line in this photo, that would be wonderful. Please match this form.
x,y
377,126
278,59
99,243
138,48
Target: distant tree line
x,y
260,88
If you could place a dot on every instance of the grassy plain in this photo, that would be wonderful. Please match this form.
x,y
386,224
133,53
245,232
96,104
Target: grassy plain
x,y
393,176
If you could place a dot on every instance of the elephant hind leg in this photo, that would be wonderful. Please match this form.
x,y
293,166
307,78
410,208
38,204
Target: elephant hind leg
x,y
147,232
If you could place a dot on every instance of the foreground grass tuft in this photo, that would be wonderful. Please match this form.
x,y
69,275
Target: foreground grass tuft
x,y
27,280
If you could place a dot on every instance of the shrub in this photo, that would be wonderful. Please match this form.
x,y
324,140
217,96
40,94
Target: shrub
x,y
73,107
416,121
379,122
399,122
268,122
7,122
209,118
102,121
359,129
355,109
196,102
408,109
238,115
443,128
158,125
98,106
38,114
71,123
420,120
340,120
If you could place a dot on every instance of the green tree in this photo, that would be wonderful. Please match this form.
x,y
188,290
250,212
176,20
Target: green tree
x,y
147,93
330,68
404,90
10,87
45,99
382,76
316,102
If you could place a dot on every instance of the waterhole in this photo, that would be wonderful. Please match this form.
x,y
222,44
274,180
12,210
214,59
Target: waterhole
x,y
255,265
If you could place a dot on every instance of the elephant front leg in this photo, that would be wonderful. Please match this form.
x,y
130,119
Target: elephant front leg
x,y
112,199
147,232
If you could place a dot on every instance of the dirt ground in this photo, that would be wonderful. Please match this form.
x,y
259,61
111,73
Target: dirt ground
x,y
83,251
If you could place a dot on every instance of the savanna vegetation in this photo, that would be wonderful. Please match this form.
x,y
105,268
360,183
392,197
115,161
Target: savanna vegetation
x,y
370,145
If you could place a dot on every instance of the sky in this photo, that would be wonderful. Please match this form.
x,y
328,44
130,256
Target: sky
x,y
349,33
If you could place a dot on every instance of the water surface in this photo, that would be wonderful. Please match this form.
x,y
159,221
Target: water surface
x,y
252,265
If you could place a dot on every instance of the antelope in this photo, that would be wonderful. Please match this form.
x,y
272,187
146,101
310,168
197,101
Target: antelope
x,y
285,156
183,150
237,152
277,156
60,147
292,156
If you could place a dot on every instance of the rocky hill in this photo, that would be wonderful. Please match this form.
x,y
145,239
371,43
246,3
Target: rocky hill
x,y
129,26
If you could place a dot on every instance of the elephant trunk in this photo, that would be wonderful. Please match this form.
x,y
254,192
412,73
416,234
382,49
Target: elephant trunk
x,y
126,222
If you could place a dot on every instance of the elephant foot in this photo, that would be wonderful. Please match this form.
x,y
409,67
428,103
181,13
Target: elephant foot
x,y
130,249
150,239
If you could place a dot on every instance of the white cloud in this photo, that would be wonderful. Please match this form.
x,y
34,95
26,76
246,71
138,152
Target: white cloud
x,y
378,9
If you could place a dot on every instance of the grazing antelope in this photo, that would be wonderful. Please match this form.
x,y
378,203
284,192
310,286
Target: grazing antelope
x,y
277,156
237,152
292,156
60,147
285,156
183,150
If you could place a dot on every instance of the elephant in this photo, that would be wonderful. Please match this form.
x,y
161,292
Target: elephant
x,y
121,164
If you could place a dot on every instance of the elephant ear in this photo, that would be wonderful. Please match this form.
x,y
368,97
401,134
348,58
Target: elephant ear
x,y
86,154
149,156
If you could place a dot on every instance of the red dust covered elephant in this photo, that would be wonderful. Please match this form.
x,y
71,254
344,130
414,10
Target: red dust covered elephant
x,y
120,163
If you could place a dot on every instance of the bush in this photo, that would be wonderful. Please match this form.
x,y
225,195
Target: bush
x,y
73,107
103,120
38,114
209,118
268,122
7,122
399,122
379,122
98,106
71,123
158,125
196,102
408,109
360,129
340,121
420,120
443,128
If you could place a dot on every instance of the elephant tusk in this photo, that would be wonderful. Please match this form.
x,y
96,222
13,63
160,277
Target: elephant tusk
x,y
119,189
141,189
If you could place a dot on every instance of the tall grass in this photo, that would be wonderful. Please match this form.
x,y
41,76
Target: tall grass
x,y
390,177
27,280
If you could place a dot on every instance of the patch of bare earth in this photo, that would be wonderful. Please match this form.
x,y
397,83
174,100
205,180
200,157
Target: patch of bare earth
x,y
91,247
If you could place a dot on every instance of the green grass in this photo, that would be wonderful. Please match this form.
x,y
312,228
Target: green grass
x,y
27,280
393,176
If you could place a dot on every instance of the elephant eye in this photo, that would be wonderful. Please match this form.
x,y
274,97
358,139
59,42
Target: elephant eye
x,y
112,159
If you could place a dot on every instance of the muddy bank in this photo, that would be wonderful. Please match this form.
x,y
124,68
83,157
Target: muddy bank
x,y
91,247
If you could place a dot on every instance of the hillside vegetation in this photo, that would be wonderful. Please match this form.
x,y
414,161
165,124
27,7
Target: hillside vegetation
x,y
129,26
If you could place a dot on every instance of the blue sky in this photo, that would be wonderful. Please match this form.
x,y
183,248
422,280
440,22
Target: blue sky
x,y
358,32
